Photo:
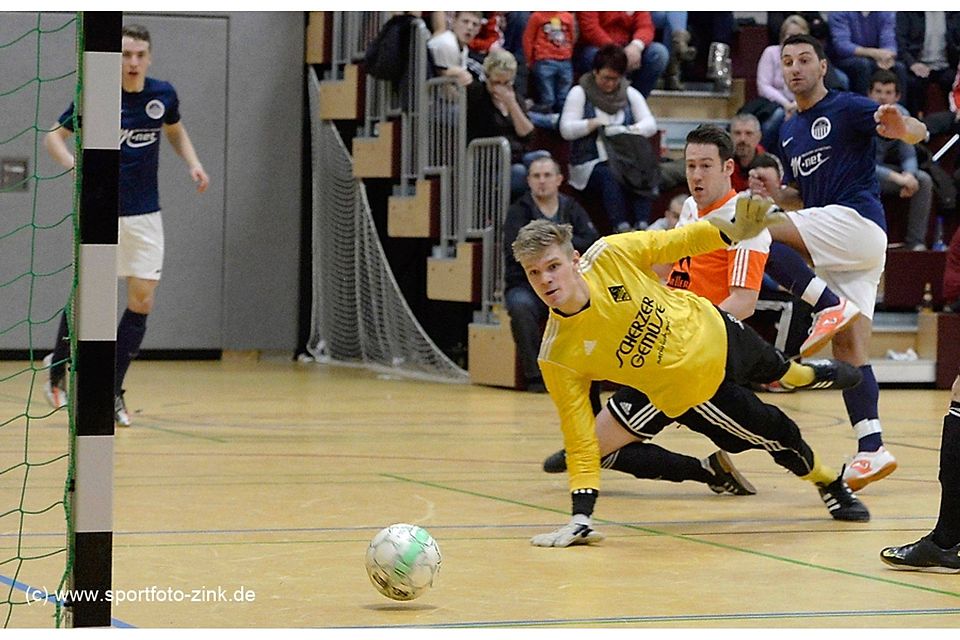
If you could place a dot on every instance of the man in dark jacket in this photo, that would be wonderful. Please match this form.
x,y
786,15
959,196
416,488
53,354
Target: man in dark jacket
x,y
527,312
928,44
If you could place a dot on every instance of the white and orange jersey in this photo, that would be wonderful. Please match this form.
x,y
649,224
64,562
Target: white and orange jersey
x,y
711,275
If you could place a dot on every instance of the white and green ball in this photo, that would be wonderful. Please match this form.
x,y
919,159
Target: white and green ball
x,y
402,561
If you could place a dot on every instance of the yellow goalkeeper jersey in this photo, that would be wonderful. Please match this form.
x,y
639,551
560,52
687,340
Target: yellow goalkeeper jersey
x,y
670,344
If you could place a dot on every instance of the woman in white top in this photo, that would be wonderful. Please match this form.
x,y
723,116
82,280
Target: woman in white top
x,y
604,100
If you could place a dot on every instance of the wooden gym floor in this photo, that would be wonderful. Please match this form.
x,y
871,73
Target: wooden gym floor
x,y
272,476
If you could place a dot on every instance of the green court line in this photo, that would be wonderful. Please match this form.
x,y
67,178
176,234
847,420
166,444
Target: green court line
x,y
685,537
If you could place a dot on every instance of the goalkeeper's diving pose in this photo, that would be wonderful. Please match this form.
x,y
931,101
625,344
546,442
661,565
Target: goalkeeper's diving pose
x,y
612,319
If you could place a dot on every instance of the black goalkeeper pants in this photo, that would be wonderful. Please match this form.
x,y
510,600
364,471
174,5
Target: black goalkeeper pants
x,y
734,419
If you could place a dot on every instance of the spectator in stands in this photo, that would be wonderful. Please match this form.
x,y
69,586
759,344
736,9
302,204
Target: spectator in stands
x,y
604,102
928,44
516,24
671,214
494,110
527,312
489,35
448,49
897,169
674,35
747,150
548,48
861,43
778,102
631,30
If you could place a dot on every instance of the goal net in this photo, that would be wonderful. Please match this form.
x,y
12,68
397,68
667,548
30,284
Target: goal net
x,y
359,314
38,79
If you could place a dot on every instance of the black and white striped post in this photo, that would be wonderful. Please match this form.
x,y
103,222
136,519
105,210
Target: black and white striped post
x,y
92,495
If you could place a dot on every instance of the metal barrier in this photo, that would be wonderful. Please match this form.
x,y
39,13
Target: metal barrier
x,y
353,31
386,99
442,136
474,187
412,162
486,197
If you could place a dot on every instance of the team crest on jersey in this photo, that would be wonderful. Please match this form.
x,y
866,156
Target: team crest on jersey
x,y
155,109
619,293
820,128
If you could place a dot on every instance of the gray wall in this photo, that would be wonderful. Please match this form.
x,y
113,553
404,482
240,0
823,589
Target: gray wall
x,y
232,254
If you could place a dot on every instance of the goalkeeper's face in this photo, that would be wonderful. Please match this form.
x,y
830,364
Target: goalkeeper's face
x,y
555,276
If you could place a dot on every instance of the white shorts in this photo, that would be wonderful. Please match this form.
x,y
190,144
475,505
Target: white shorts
x,y
140,246
848,251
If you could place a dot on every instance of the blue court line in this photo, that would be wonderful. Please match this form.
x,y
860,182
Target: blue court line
x,y
708,617
16,584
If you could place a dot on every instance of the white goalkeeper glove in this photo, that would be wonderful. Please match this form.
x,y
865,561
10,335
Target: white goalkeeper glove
x,y
577,531
753,215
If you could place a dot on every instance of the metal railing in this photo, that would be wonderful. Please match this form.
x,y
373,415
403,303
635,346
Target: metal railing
x,y
412,162
353,31
442,137
486,197
474,187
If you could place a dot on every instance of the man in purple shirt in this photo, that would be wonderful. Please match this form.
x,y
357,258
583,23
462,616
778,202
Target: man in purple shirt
x,y
862,42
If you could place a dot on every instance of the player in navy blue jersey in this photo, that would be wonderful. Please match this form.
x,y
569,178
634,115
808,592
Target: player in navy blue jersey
x,y
148,107
836,222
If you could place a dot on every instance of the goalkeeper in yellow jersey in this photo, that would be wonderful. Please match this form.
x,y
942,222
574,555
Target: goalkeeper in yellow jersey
x,y
612,319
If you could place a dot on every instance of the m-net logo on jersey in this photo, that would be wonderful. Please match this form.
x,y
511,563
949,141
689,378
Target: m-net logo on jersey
x,y
155,109
136,138
807,163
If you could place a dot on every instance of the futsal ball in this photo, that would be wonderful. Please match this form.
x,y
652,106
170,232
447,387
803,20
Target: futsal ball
x,y
402,561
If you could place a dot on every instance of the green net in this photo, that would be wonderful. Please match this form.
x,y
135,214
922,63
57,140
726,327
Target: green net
x,y
38,79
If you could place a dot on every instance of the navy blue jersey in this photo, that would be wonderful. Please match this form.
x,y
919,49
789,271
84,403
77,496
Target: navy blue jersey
x,y
142,116
830,152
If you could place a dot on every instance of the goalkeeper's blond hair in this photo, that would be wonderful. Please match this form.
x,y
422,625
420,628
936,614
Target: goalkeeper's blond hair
x,y
537,236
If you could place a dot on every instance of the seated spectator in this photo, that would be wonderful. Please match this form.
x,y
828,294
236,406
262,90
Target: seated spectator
x,y
548,48
527,312
928,45
630,30
674,35
861,43
494,110
448,49
671,214
603,101
747,149
897,169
